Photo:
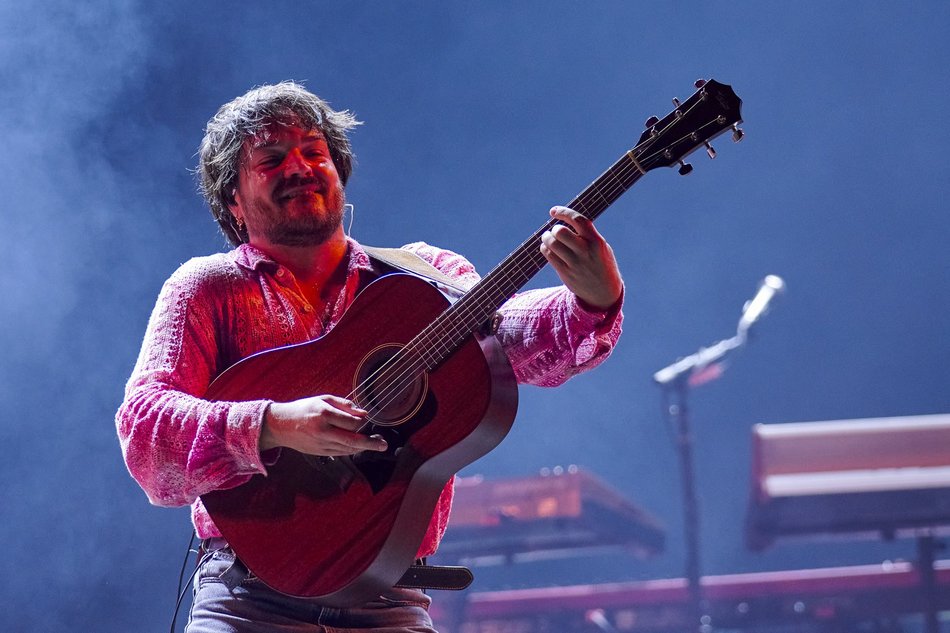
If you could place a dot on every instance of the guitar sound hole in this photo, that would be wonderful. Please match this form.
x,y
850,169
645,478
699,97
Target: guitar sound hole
x,y
390,385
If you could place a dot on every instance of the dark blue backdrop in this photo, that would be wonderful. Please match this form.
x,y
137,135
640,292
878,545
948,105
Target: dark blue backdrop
x,y
479,116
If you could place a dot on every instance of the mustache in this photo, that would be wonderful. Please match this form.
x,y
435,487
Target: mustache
x,y
295,182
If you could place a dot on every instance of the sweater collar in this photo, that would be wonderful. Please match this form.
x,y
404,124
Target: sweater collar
x,y
253,258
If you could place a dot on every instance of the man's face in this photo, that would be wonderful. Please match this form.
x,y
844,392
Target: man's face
x,y
289,192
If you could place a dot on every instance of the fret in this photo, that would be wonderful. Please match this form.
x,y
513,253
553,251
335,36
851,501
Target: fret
x,y
666,142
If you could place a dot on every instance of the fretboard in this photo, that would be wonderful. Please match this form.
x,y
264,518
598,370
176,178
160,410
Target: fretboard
x,y
478,305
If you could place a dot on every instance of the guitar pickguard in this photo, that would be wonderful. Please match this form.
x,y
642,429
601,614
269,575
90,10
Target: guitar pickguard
x,y
378,467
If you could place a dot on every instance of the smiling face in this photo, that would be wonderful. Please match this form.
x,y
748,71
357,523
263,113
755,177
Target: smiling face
x,y
289,192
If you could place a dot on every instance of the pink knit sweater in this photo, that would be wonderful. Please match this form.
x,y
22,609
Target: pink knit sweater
x,y
216,310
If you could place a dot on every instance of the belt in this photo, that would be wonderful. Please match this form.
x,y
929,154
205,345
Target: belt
x,y
420,576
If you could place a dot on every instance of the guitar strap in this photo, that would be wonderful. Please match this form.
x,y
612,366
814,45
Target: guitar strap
x,y
446,577
403,260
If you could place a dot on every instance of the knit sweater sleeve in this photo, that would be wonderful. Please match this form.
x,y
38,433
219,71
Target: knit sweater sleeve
x,y
176,444
547,334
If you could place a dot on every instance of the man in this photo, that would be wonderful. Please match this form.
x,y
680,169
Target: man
x,y
273,166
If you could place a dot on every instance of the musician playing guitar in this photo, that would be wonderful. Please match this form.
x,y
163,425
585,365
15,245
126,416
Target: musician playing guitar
x,y
273,166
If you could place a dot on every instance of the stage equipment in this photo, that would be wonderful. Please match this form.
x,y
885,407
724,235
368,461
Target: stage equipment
x,y
877,477
562,512
858,598
883,477
704,366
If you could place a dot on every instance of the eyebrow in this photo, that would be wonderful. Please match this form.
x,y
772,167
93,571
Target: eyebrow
x,y
314,136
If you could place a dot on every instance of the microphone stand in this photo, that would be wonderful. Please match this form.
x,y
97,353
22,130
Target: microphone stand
x,y
678,418
675,380
704,366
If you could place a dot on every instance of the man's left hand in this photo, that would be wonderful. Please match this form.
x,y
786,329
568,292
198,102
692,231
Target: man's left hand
x,y
582,259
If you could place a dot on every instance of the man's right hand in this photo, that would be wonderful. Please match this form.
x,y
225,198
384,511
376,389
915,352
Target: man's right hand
x,y
319,425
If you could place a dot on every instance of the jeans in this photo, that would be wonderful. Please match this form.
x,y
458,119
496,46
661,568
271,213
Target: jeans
x,y
230,599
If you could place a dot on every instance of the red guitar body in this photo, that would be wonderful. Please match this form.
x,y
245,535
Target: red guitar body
x,y
343,530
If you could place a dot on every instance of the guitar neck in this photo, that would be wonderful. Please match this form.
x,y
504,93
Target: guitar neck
x,y
702,117
478,305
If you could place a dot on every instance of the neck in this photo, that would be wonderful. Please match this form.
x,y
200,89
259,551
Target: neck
x,y
311,265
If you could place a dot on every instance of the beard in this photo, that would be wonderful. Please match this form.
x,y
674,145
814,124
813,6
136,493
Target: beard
x,y
310,229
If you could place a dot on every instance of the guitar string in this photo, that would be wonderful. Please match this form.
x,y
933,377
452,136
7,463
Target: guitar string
x,y
411,372
463,308
617,187
466,308
466,312
615,184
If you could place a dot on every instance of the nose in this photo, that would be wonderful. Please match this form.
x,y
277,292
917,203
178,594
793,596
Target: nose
x,y
296,165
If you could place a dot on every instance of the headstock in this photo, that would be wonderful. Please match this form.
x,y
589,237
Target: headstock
x,y
713,109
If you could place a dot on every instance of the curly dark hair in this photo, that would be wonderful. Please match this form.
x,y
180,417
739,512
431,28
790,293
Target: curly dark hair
x,y
220,154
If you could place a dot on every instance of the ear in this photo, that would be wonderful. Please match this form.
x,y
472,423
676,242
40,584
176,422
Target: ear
x,y
235,208
234,202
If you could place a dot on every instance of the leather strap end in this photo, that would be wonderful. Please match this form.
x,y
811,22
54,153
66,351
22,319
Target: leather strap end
x,y
450,578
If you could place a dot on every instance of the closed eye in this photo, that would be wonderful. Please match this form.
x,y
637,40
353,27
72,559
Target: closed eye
x,y
270,161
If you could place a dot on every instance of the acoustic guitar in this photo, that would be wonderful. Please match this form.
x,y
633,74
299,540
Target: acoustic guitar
x,y
441,392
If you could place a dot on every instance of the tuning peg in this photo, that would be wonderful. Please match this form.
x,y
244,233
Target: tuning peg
x,y
651,122
699,83
676,102
709,150
685,168
737,134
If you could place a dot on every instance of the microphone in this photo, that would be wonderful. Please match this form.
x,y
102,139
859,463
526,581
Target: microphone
x,y
753,310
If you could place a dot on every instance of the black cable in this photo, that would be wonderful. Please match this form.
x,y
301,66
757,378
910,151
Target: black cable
x,y
181,576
